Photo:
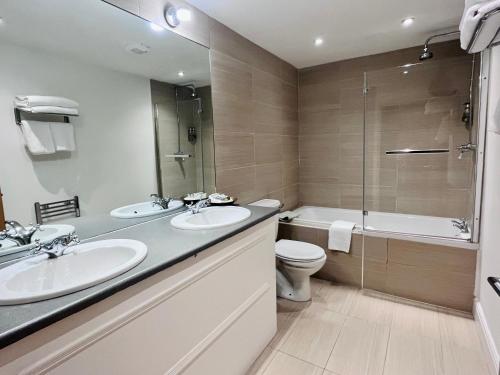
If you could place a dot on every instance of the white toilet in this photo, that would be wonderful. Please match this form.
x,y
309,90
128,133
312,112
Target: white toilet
x,y
296,262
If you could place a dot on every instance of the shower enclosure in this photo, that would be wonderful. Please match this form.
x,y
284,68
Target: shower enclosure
x,y
419,151
394,151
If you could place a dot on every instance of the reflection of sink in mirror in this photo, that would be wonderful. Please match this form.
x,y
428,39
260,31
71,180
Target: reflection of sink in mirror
x,y
45,234
144,209
211,218
38,278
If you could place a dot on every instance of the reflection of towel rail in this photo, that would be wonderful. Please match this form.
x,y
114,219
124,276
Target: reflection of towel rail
x,y
17,115
405,151
479,28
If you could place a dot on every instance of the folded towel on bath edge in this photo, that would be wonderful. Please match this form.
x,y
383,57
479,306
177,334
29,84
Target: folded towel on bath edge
x,y
339,235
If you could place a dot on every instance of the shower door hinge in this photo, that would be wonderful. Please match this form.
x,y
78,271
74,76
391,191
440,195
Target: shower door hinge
x,y
365,90
365,213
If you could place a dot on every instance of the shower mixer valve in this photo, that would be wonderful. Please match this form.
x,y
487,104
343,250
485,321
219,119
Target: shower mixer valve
x,y
466,148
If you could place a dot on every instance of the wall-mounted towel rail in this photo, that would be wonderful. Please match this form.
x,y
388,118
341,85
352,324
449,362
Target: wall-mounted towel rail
x,y
45,211
17,115
494,14
405,151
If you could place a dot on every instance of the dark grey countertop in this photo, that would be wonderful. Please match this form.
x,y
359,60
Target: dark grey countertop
x,y
166,247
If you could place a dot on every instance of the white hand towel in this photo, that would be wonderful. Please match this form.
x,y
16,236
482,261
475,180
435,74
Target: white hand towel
x,y
38,137
51,109
63,135
39,100
339,235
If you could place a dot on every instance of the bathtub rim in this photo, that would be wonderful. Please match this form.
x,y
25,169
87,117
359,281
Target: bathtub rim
x,y
432,240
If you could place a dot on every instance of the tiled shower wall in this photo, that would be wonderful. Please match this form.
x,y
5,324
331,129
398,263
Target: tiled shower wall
x,y
421,109
254,108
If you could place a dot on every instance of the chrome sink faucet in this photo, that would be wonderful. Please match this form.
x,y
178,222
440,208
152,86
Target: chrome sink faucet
x,y
461,225
160,201
57,247
196,207
17,233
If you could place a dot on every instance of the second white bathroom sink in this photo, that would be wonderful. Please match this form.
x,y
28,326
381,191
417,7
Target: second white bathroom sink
x,y
82,266
211,218
145,209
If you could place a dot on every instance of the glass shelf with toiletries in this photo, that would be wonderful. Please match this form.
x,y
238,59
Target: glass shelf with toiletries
x,y
102,109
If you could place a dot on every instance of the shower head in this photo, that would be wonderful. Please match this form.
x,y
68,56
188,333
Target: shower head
x,y
426,52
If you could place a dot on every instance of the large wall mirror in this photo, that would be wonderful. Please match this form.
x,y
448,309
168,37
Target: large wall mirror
x,y
110,109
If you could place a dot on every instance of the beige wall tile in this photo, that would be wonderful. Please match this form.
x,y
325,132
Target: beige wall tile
x,y
442,258
268,177
234,150
267,148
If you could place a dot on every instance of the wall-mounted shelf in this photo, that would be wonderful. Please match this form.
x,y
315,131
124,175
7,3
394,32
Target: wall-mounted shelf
x,y
18,112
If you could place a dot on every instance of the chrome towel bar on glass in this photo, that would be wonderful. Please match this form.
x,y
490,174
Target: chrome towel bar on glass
x,y
413,151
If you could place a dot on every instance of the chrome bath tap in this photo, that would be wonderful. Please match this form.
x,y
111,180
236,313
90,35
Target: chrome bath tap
x,y
17,233
196,207
160,201
57,247
461,225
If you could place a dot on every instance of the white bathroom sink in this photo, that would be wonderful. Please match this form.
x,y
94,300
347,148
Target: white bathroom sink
x,y
144,209
82,266
45,234
211,218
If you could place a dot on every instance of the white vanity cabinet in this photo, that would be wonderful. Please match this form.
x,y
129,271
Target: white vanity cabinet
x,y
209,314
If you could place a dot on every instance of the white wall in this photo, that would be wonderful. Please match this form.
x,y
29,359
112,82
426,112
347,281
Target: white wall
x,y
490,222
114,163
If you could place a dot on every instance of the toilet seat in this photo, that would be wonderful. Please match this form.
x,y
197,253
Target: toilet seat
x,y
299,252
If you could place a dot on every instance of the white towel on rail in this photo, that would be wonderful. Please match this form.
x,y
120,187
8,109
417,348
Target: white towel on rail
x,y
51,109
339,235
38,137
63,136
23,101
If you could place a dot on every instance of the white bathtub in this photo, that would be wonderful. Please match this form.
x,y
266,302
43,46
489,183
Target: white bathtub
x,y
428,229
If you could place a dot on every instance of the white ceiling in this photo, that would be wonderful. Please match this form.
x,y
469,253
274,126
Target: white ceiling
x,y
349,28
98,33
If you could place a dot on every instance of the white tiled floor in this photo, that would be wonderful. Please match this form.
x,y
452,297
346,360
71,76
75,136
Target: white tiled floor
x,y
345,331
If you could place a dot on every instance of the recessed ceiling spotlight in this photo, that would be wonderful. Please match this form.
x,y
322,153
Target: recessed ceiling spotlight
x,y
408,21
318,42
156,27
180,74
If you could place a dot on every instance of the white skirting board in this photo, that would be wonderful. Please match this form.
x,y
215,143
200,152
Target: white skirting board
x,y
486,336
